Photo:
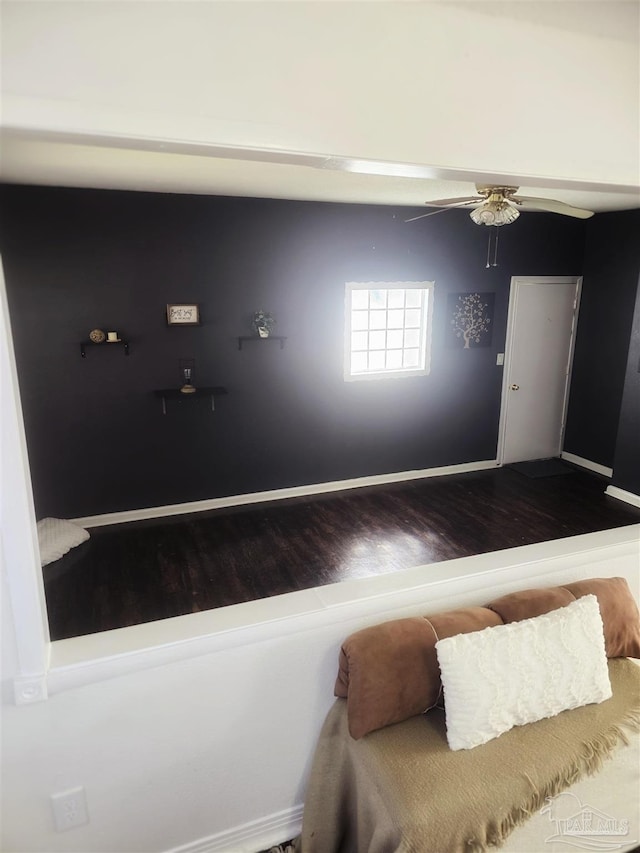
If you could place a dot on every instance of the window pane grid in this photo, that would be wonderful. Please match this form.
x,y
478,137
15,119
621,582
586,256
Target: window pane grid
x,y
388,329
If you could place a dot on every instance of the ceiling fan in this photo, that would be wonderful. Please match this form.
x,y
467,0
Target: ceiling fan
x,y
499,206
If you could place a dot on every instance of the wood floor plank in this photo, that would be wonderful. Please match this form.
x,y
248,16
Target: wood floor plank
x,y
139,572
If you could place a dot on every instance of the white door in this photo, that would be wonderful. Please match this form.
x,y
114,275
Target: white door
x,y
540,335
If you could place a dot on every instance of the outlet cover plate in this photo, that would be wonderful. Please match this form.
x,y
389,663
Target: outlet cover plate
x,y
69,809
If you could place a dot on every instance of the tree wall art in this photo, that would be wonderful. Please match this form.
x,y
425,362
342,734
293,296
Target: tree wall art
x,y
469,320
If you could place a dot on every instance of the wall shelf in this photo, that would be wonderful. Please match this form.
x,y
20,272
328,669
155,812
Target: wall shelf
x,y
176,394
84,345
243,338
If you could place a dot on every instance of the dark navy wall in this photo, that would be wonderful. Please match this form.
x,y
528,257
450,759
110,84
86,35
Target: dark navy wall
x,y
611,266
626,471
98,442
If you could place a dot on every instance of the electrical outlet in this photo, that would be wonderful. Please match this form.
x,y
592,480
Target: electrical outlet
x,y
69,809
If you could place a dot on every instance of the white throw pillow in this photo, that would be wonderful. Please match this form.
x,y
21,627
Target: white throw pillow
x,y
513,674
56,536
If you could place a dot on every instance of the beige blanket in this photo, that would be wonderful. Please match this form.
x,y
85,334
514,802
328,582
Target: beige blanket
x,y
402,790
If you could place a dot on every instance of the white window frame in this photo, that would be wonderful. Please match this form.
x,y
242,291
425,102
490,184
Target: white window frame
x,y
425,329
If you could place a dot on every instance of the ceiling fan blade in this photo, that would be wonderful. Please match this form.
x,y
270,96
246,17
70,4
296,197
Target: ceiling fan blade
x,y
443,202
552,206
431,213
444,209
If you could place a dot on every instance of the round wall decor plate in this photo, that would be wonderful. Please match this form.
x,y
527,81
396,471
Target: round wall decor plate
x,y
97,336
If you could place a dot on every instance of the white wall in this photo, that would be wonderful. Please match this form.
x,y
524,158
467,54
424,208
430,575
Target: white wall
x,y
540,89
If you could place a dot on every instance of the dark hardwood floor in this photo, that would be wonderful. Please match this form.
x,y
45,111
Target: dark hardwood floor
x,y
139,572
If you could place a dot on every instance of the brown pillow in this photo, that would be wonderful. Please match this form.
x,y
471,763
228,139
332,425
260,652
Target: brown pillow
x,y
528,603
390,672
619,611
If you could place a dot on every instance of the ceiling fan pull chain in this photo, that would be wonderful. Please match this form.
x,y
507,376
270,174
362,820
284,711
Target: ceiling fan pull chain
x,y
495,249
488,251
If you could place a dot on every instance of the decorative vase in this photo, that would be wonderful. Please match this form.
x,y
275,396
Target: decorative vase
x,y
187,388
264,333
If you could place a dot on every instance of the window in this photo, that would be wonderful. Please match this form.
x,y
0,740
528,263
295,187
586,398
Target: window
x,y
387,329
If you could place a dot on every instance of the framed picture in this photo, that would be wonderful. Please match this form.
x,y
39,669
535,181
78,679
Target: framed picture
x,y
183,314
470,320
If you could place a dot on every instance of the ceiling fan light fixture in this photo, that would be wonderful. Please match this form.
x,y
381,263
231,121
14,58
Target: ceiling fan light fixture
x,y
495,213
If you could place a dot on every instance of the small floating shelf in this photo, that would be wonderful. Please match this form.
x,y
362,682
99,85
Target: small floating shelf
x,y
243,338
176,394
84,345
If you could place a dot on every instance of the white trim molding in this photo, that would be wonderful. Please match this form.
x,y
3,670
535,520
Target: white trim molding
x,y
258,834
623,495
278,494
586,463
26,613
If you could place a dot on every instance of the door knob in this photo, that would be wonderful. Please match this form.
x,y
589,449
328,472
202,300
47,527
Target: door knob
x,y
515,387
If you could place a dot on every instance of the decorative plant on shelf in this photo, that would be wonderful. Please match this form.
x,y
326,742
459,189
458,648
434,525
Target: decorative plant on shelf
x,y
263,323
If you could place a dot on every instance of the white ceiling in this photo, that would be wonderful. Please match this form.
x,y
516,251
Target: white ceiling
x,y
32,160
276,99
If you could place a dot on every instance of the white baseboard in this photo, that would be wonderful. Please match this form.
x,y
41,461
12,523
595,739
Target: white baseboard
x,y
623,495
586,463
250,837
277,494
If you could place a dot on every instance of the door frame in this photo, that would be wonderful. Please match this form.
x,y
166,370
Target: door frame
x,y
516,281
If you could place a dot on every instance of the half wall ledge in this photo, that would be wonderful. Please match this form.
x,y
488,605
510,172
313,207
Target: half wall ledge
x,y
326,615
